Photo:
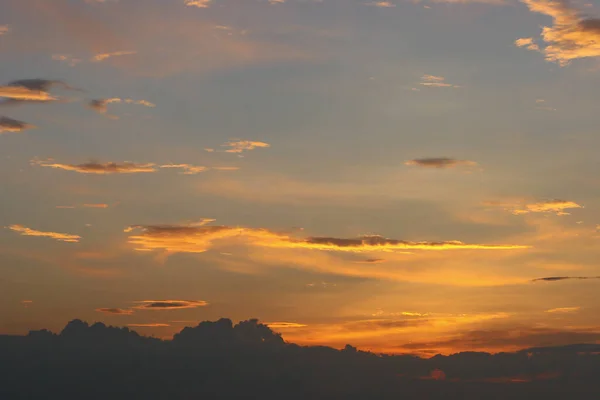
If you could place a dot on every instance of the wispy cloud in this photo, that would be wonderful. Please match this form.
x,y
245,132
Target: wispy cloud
x,y
557,207
100,105
198,3
198,239
169,304
115,311
99,168
564,278
105,56
572,35
381,4
31,90
187,169
150,325
4,29
440,162
62,237
435,81
239,146
87,205
284,325
563,310
13,125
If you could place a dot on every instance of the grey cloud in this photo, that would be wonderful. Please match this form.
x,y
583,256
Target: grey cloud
x,y
13,125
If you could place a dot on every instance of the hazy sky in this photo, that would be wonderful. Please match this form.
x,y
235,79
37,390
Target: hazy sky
x,y
392,175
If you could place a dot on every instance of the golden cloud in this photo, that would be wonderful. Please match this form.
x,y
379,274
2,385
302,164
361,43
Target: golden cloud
x,y
572,35
435,81
104,56
100,105
198,239
284,325
557,207
198,3
62,237
188,169
563,310
239,146
151,325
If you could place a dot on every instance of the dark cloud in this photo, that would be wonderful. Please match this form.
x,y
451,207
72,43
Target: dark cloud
x,y
169,304
564,278
99,168
13,125
440,162
31,90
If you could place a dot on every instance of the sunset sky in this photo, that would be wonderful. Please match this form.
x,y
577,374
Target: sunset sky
x,y
403,176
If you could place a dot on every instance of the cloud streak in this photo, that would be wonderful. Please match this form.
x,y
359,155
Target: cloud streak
x,y
115,311
198,239
12,125
99,168
440,162
62,237
239,146
159,305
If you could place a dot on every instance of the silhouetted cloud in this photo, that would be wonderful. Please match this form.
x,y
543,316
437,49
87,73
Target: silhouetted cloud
x,y
564,278
31,90
99,168
440,162
372,261
169,304
115,311
13,125
62,237
198,239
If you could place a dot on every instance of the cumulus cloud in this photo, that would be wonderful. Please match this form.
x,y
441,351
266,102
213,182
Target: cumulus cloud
x,y
99,168
435,81
563,278
62,237
115,311
13,125
239,146
169,304
198,3
572,35
557,207
198,239
563,310
440,162
105,56
101,105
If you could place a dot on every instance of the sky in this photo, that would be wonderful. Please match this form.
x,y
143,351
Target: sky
x,y
404,176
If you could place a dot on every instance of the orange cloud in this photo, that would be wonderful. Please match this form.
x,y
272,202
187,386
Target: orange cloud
x,y
572,34
284,325
151,325
100,105
115,311
188,169
557,207
104,56
13,125
435,81
563,310
62,237
198,3
198,239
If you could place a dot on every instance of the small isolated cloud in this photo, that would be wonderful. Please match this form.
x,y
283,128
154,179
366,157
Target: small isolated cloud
x,y
26,303
105,56
31,90
239,146
435,81
99,168
169,304
528,43
187,169
4,29
67,58
198,239
62,237
273,2
151,325
372,261
115,311
440,162
95,205
563,310
198,3
13,125
284,325
564,278
101,105
557,207
572,34
381,4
